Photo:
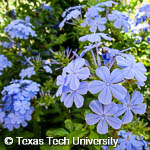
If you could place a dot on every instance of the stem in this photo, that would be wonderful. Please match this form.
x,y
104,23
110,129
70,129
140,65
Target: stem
x,y
94,59
98,58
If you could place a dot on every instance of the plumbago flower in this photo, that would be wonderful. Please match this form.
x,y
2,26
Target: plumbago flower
x,y
69,96
70,14
20,29
103,115
128,141
135,104
97,23
120,20
75,71
16,99
131,69
95,37
109,86
4,63
28,72
70,87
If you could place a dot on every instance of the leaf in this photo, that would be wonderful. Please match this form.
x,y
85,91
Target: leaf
x,y
2,146
69,125
60,132
78,126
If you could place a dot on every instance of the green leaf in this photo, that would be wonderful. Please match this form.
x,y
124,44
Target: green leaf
x,y
2,146
69,125
60,132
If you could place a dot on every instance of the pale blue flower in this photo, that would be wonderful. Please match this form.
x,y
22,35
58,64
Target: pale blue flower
x,y
131,69
109,86
120,20
103,116
69,96
28,72
97,23
135,104
4,63
21,106
2,115
106,4
95,37
20,29
76,71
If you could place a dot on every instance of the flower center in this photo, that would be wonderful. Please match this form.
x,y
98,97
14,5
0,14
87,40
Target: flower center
x,y
128,105
107,84
103,116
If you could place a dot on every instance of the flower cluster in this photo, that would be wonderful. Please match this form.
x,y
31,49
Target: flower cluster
x,y
20,29
28,72
4,63
16,103
113,98
70,14
71,89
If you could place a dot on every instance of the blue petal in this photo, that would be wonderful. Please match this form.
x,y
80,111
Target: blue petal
x,y
114,122
110,109
122,62
116,76
118,23
96,86
103,73
105,96
79,62
78,100
137,98
118,91
83,88
139,109
121,110
102,127
68,101
92,119
101,27
74,82
83,73
112,17
96,107
128,117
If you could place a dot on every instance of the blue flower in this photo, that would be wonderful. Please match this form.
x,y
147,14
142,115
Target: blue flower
x,y
2,115
16,99
46,7
76,71
109,86
4,63
131,69
69,96
135,104
128,141
70,13
7,44
120,20
146,9
28,72
20,29
95,37
106,4
103,116
97,23
47,66
21,106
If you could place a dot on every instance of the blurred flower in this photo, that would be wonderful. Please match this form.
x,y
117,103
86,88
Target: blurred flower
x,y
4,63
20,29
28,72
103,116
120,20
